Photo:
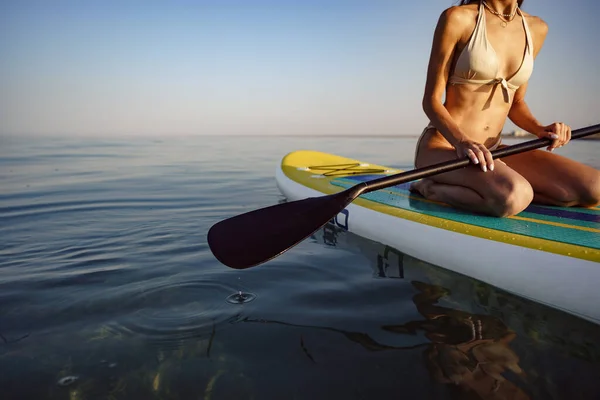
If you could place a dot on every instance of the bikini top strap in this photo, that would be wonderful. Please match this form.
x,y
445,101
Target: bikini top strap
x,y
527,32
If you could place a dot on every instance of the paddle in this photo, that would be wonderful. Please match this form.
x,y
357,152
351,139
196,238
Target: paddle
x,y
257,236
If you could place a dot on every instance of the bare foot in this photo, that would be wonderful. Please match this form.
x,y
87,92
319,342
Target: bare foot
x,y
421,187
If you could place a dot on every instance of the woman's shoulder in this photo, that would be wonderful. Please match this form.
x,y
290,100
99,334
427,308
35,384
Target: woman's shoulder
x,y
458,20
463,14
536,24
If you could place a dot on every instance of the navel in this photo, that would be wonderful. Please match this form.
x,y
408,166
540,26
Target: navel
x,y
486,128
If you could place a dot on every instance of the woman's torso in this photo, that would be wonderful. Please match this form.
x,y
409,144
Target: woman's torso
x,y
488,65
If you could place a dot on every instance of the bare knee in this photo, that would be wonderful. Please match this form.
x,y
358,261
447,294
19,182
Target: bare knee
x,y
509,196
583,192
589,192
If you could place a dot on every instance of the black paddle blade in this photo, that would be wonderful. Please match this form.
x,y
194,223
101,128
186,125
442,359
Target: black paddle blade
x,y
252,238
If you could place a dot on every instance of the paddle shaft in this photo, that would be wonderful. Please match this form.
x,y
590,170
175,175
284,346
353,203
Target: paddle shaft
x,y
452,165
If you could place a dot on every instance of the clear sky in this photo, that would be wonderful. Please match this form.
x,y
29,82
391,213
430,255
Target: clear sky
x,y
257,66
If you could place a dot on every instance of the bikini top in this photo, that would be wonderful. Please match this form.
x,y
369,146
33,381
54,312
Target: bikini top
x,y
478,62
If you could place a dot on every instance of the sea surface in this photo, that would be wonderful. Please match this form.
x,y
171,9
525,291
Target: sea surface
x,y
108,289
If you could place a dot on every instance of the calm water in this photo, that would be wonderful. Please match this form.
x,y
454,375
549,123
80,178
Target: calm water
x,y
108,289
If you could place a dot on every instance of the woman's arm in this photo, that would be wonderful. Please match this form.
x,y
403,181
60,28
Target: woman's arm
x,y
447,34
452,24
521,115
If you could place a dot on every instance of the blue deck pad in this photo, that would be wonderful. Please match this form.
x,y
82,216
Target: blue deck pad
x,y
401,197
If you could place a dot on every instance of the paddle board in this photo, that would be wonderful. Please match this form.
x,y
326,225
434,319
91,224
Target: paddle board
x,y
550,255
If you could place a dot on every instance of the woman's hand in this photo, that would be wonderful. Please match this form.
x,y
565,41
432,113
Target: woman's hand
x,y
477,153
559,133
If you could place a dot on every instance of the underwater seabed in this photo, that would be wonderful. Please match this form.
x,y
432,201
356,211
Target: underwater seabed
x,y
196,368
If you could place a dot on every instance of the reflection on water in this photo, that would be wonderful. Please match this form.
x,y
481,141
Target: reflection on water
x,y
473,351
468,350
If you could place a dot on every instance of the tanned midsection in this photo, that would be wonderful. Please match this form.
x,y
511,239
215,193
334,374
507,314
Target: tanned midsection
x,y
479,110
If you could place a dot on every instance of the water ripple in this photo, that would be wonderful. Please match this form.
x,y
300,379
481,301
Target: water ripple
x,y
169,314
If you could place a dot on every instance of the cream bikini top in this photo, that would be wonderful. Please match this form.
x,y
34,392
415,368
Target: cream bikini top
x,y
478,62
